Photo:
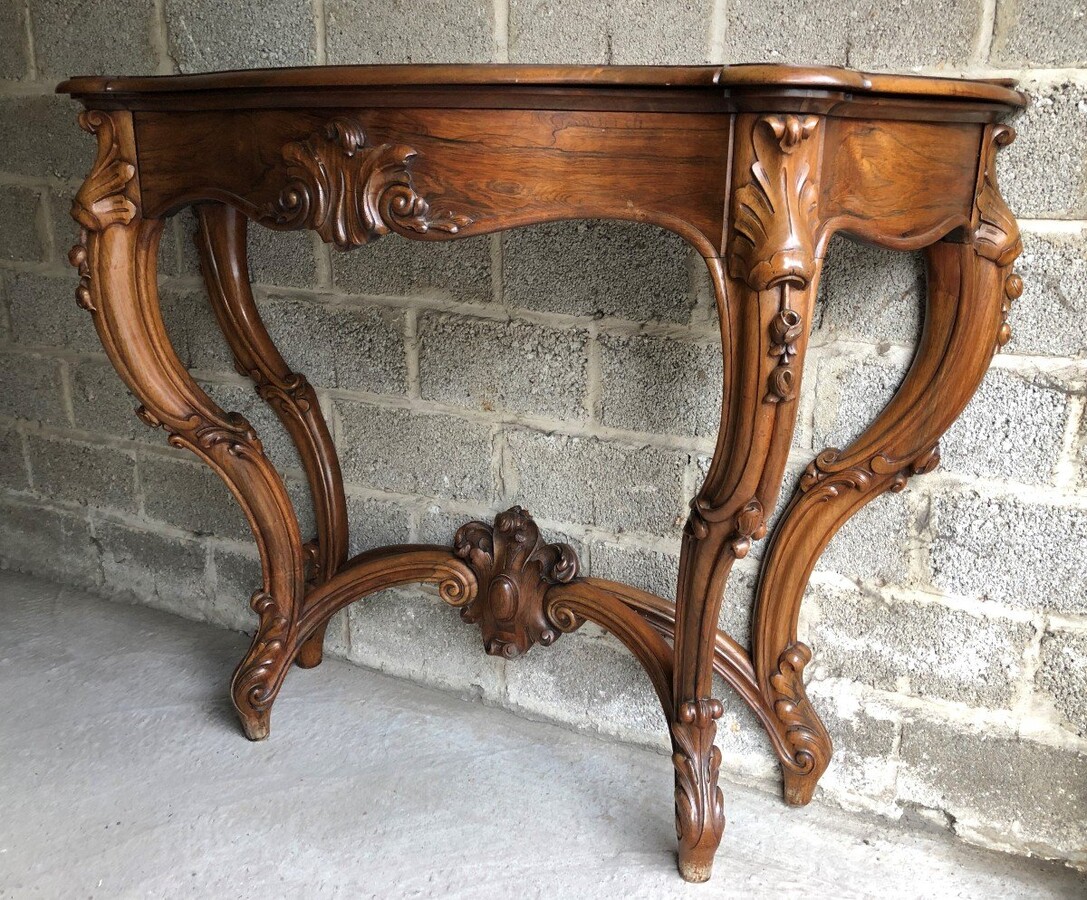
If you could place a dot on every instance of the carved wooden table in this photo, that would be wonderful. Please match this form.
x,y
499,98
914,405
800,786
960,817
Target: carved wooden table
x,y
755,166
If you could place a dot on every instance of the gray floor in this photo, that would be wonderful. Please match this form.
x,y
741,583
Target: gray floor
x,y
123,774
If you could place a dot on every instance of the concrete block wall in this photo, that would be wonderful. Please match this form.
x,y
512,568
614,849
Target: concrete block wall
x,y
544,366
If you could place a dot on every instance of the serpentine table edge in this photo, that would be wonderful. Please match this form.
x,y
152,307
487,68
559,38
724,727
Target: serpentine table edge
x,y
755,166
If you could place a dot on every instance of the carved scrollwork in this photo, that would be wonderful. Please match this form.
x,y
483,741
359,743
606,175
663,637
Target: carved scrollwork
x,y
700,806
290,394
351,193
803,731
255,681
515,568
749,524
825,478
997,236
773,240
103,198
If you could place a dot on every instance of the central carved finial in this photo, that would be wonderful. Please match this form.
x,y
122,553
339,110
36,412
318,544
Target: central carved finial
x,y
515,568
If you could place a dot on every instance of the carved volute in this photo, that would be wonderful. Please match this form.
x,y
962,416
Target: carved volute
x,y
515,567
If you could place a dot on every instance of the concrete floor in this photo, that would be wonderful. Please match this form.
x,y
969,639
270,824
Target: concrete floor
x,y
124,774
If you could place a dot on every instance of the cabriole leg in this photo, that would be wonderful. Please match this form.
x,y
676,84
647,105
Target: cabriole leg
x,y
970,287
116,259
221,240
764,305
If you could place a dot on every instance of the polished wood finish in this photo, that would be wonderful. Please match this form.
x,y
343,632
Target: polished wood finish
x,y
755,166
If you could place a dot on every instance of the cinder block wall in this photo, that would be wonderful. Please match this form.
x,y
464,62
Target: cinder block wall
x,y
575,369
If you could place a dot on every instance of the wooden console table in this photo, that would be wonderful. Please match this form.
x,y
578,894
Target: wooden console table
x,y
756,166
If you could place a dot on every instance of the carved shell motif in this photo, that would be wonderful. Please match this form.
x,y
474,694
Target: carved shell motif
x,y
774,212
351,193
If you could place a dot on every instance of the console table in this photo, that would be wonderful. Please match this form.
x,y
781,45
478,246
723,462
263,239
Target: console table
x,y
755,166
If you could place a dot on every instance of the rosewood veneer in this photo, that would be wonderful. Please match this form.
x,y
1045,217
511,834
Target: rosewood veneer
x,y
755,166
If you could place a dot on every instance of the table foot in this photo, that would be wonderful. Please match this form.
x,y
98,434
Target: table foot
x,y
312,650
700,806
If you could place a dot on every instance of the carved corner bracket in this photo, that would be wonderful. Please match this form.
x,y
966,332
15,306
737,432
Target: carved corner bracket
x,y
515,568
350,192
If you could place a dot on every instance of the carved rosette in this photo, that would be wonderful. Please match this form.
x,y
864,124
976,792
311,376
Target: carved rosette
x,y
351,193
103,198
997,235
804,733
773,231
514,568
700,806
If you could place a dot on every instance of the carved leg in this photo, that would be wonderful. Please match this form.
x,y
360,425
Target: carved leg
x,y
970,286
764,306
220,239
116,259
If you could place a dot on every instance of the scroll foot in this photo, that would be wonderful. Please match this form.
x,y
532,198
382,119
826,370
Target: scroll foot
x,y
260,674
255,725
700,807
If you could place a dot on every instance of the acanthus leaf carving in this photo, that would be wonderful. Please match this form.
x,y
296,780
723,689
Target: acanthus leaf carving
x,y
351,193
514,567
773,239
700,806
804,733
202,435
997,236
255,679
103,199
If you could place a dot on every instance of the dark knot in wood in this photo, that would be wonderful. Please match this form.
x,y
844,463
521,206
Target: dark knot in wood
x,y
515,568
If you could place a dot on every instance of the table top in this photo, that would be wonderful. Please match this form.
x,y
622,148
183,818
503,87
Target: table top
x,y
727,79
